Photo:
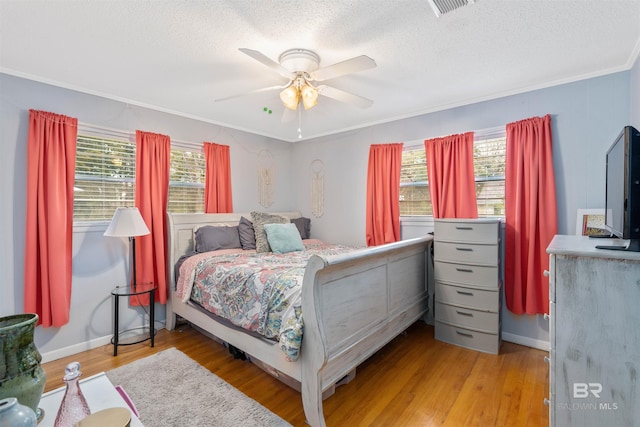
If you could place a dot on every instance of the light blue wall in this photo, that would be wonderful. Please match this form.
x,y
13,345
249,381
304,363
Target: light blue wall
x,y
635,94
586,116
99,262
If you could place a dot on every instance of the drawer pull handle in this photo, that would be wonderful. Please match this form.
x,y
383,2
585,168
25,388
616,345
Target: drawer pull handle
x,y
546,402
546,359
462,313
460,227
464,270
469,294
464,249
464,334
546,273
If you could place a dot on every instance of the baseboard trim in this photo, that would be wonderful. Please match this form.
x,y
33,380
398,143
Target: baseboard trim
x,y
75,349
84,346
526,341
99,342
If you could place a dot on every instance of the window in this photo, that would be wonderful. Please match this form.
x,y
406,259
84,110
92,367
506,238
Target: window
x,y
489,151
414,186
488,163
105,175
186,182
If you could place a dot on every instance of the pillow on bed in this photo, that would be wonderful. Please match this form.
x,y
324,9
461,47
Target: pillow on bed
x,y
210,238
247,234
259,219
283,238
304,226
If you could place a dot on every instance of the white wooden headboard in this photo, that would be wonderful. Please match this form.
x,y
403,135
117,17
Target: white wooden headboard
x,y
180,232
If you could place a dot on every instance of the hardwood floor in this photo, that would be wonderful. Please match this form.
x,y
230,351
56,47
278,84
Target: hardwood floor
x,y
413,381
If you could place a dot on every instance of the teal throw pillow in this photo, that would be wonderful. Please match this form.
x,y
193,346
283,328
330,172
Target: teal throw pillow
x,y
283,238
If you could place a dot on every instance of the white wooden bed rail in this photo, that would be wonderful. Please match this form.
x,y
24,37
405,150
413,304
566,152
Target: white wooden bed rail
x,y
352,305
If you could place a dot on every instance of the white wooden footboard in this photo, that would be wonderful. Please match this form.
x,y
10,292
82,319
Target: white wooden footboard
x,y
353,305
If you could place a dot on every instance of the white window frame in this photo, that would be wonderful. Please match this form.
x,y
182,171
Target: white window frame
x,y
98,132
85,130
196,181
480,135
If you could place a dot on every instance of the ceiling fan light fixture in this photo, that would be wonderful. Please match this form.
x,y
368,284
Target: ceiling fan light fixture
x,y
309,96
290,97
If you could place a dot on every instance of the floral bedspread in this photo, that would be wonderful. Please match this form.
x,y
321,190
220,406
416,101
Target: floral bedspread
x,y
260,292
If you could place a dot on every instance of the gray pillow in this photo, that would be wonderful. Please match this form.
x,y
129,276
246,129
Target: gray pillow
x,y
247,234
259,219
304,226
209,238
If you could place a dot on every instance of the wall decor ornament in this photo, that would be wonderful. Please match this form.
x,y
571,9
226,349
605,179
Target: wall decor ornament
x,y
21,375
265,178
317,188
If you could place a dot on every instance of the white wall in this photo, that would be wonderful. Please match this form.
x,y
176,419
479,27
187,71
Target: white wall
x,y
586,117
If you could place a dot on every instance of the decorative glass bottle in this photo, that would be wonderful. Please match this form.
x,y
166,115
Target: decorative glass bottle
x,y
74,407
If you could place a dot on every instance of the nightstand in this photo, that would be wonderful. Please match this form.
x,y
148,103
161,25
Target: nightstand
x,y
128,291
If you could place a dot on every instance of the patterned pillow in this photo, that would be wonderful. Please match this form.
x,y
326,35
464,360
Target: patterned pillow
x,y
283,238
259,219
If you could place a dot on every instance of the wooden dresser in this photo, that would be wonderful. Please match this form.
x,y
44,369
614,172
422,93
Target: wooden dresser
x,y
594,334
467,283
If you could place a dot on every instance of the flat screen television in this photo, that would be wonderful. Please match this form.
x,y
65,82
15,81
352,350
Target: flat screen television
x,y
622,201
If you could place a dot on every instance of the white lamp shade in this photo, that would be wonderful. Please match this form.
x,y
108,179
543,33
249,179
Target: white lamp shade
x,y
127,222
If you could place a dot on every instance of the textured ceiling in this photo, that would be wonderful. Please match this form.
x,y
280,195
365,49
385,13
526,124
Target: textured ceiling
x,y
181,55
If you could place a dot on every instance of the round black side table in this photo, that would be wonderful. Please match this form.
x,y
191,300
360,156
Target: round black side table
x,y
128,291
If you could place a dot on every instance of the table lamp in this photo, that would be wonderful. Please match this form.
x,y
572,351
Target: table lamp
x,y
127,222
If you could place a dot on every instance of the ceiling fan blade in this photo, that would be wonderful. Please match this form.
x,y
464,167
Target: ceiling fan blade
x,y
265,60
264,89
353,65
344,96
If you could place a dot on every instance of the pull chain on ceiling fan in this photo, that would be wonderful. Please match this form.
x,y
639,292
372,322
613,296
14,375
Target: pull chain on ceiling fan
x,y
301,67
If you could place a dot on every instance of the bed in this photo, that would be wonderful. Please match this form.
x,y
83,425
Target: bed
x,y
353,304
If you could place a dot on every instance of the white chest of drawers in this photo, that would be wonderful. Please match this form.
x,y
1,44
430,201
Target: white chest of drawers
x,y
467,283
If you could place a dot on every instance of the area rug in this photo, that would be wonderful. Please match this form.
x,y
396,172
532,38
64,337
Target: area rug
x,y
171,389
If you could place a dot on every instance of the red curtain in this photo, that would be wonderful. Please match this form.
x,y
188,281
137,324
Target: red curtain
x,y
153,156
531,214
451,176
51,160
383,194
217,188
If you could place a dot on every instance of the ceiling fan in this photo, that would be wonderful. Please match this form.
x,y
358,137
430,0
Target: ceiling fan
x,y
302,68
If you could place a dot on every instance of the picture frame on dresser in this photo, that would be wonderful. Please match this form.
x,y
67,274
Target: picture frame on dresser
x,y
590,222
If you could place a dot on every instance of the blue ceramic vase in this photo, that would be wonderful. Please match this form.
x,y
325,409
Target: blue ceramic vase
x,y
13,414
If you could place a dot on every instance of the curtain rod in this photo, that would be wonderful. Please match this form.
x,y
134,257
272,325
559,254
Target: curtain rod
x,y
131,134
